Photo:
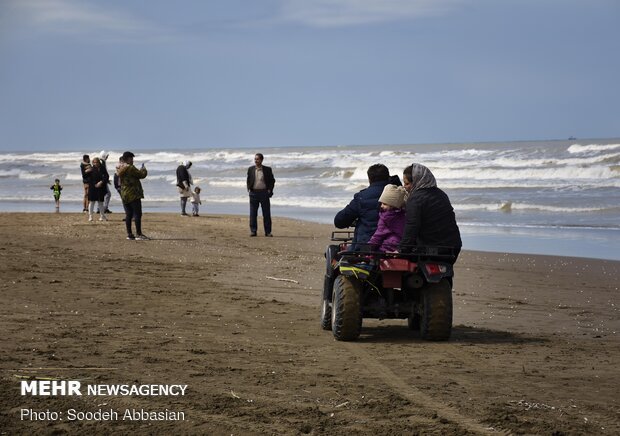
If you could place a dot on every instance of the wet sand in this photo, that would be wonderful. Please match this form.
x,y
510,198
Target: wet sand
x,y
534,350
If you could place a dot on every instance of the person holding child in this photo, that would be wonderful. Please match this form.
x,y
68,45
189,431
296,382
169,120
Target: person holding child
x,y
195,201
56,187
392,219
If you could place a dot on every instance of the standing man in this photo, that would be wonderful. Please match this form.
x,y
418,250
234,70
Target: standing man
x,y
260,187
132,194
184,182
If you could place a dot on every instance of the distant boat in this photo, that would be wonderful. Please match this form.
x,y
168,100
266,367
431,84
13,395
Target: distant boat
x,y
572,138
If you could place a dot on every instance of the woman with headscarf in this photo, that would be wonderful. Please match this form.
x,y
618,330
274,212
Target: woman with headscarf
x,y
184,181
430,217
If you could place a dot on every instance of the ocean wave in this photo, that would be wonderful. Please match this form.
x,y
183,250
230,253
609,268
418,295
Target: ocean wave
x,y
289,201
577,148
41,157
228,183
508,206
604,174
566,226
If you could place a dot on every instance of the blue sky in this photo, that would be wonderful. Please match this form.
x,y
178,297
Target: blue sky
x,y
159,74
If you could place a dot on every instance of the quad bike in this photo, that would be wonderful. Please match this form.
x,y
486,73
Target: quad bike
x,y
415,286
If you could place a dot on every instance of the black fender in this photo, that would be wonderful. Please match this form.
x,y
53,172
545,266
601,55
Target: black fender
x,y
331,253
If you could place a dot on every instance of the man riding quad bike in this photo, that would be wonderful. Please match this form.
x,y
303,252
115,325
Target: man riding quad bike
x,y
370,284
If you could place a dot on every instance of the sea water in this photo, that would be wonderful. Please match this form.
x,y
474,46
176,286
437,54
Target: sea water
x,y
545,197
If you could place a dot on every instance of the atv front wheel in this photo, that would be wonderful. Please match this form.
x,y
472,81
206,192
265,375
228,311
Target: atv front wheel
x,y
436,322
346,310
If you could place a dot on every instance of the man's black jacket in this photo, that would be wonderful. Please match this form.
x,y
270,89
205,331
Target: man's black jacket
x,y
268,175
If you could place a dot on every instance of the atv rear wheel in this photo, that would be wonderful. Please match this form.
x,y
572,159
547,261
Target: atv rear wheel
x,y
326,304
414,321
346,311
436,322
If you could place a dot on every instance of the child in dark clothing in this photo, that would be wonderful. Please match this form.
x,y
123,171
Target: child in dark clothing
x,y
56,188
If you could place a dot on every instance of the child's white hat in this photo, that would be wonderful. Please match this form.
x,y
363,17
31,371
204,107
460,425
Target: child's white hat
x,y
393,196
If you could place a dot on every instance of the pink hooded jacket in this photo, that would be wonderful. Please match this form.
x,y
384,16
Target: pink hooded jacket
x,y
389,230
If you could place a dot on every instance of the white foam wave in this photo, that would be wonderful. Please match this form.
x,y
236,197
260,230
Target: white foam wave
x,y
509,206
228,183
577,148
288,201
567,173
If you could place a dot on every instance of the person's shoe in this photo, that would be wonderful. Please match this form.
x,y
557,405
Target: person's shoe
x,y
142,238
97,211
84,210
269,235
103,218
108,211
131,237
184,214
90,217
253,234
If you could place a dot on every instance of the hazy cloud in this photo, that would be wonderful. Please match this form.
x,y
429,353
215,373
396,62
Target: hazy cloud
x,y
72,17
338,13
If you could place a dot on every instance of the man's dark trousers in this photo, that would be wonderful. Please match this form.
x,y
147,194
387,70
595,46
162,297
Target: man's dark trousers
x,y
260,198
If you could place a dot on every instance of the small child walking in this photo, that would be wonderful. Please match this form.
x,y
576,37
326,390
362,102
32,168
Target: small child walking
x,y
195,201
392,219
56,188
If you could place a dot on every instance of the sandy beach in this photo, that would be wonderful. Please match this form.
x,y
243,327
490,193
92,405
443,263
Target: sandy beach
x,y
534,349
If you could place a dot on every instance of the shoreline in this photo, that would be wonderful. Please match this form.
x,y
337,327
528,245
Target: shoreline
x,y
586,243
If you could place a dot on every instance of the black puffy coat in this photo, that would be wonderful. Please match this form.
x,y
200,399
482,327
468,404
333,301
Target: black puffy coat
x,y
430,221
182,176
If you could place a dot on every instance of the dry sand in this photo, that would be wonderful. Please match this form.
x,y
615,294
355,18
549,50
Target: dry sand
x,y
534,347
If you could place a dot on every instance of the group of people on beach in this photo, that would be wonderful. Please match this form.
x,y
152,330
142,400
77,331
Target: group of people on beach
x,y
391,216
388,215
96,182
260,184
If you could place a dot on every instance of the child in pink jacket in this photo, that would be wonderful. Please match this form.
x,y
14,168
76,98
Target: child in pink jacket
x,y
391,220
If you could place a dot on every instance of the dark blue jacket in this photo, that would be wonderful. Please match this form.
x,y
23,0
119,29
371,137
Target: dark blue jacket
x,y
365,209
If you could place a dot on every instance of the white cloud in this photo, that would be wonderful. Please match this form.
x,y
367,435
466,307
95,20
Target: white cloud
x,y
72,17
338,13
